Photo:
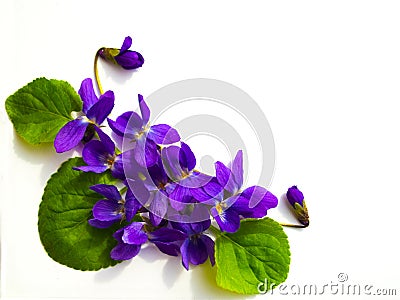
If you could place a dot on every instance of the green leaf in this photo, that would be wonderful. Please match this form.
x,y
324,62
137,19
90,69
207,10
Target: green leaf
x,y
41,108
63,219
256,254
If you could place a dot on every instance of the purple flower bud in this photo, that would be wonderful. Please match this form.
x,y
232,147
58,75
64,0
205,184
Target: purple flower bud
x,y
296,200
123,57
294,195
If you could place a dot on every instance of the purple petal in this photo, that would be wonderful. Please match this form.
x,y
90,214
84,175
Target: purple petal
x,y
200,195
237,169
210,247
170,159
187,159
106,140
259,195
146,152
100,224
225,177
185,252
199,227
95,154
157,174
241,205
117,168
214,190
195,180
70,135
108,191
94,169
194,252
137,191
129,60
179,196
106,210
131,208
167,235
228,220
126,44
102,108
171,249
163,134
158,208
87,94
126,124
144,110
124,251
134,235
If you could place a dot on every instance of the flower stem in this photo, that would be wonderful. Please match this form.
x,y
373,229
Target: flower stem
x,y
293,225
96,72
214,230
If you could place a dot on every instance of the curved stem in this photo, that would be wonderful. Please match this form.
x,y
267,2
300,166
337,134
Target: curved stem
x,y
293,225
96,72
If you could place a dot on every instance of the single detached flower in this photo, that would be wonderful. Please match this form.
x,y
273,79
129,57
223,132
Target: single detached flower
x,y
230,204
130,239
94,112
114,208
100,156
123,57
131,126
296,200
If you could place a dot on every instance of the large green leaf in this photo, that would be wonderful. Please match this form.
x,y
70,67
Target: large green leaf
x,y
63,219
41,108
253,259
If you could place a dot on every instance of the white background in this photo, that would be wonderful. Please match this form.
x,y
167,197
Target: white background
x,y
325,73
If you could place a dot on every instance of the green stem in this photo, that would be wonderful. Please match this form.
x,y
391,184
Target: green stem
x,y
293,225
96,72
123,190
214,230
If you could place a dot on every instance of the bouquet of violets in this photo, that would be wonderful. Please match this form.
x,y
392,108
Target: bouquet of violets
x,y
140,185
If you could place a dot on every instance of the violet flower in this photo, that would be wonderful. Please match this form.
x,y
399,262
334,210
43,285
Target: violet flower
x,y
123,57
130,125
130,239
179,163
114,208
94,112
197,247
230,204
100,156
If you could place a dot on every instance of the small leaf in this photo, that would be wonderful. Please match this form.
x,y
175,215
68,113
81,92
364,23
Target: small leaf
x,y
256,254
41,108
63,219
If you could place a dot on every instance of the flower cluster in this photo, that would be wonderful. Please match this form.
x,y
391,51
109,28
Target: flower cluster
x,y
161,198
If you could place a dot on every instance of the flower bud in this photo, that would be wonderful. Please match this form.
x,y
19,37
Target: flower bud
x,y
123,57
296,200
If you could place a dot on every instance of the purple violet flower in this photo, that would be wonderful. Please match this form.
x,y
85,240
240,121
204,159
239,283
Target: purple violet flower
x,y
112,209
94,112
179,163
100,156
123,57
130,125
197,247
130,239
230,203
